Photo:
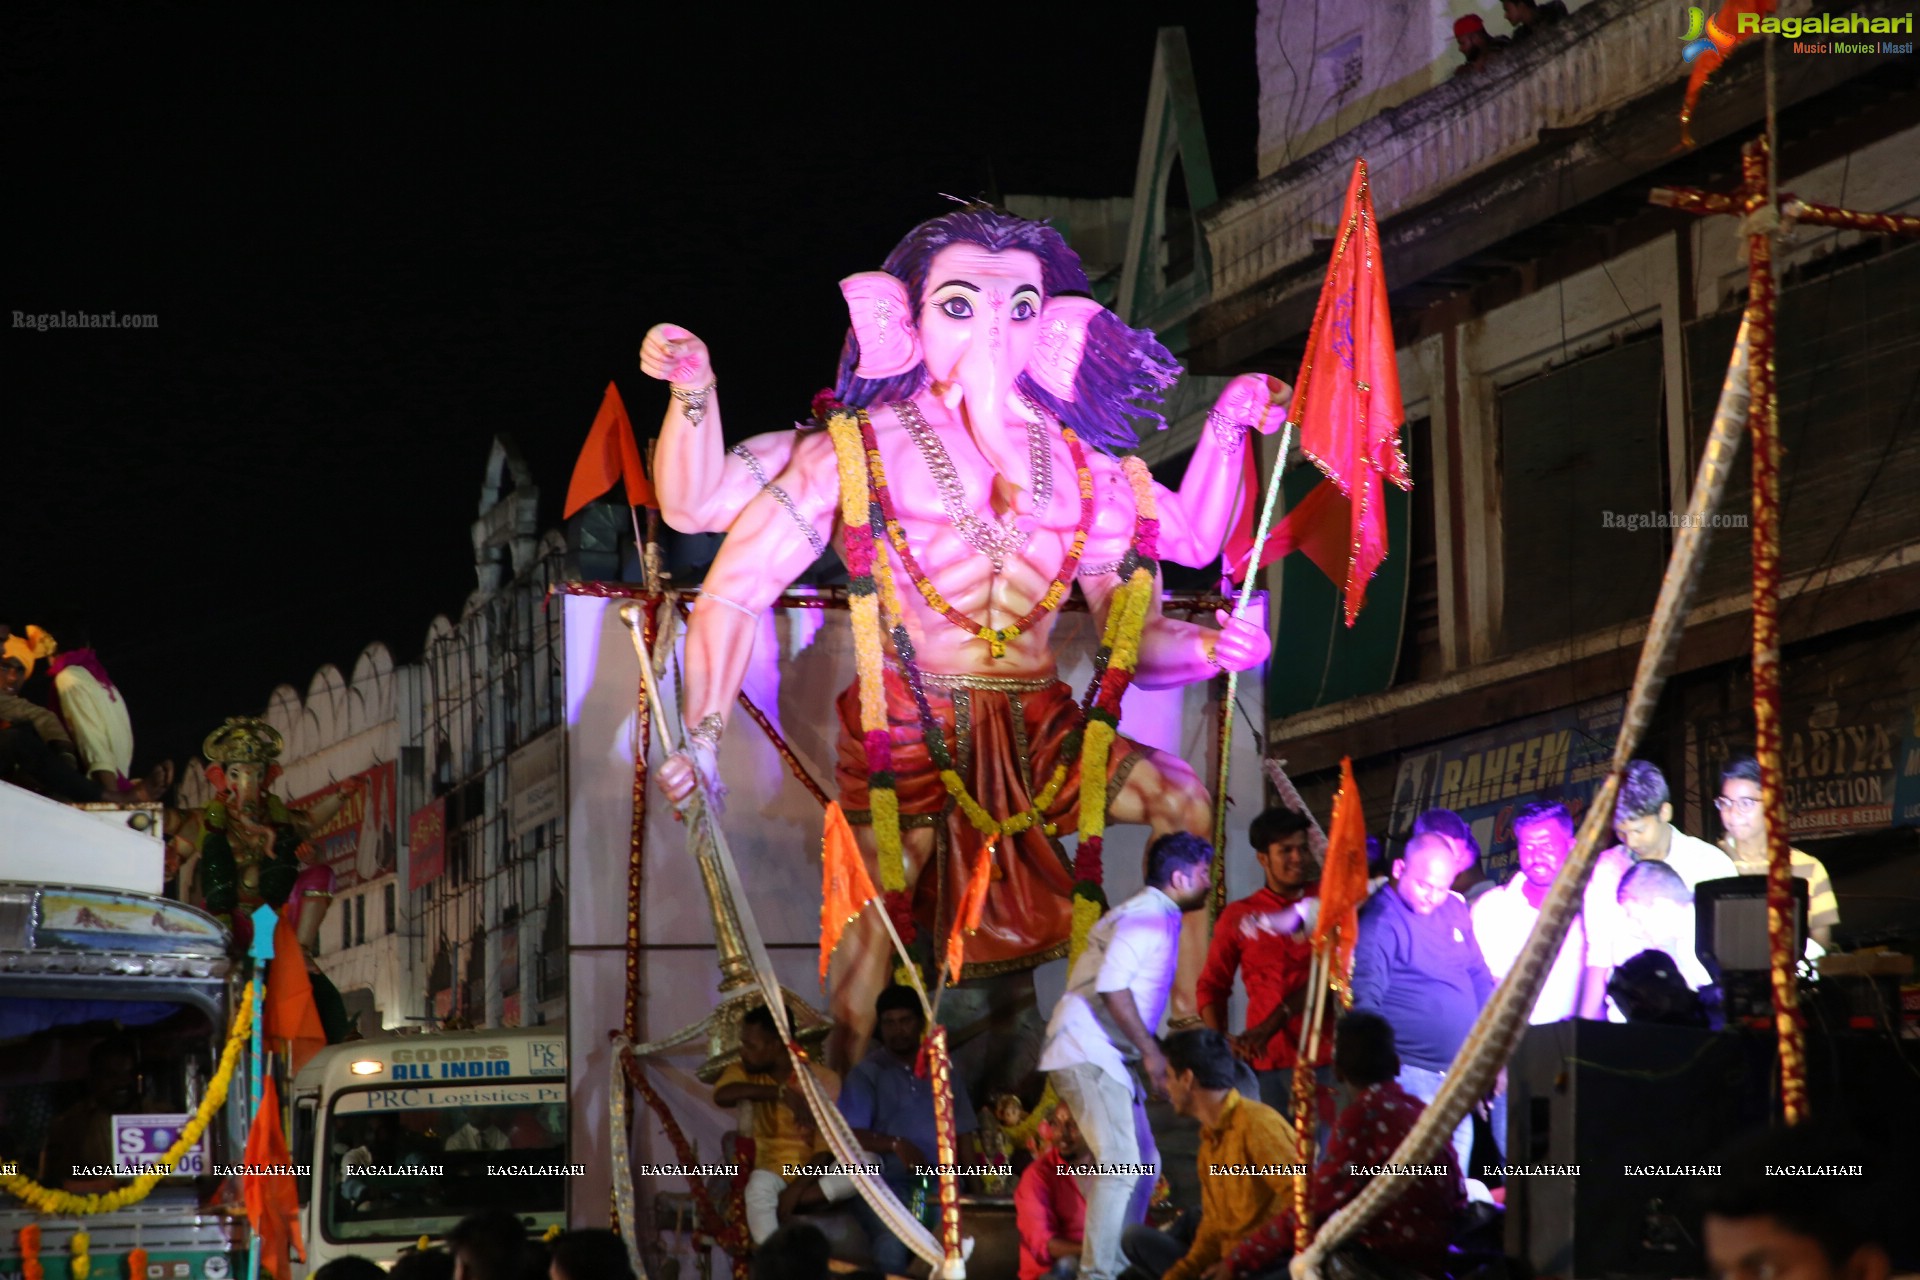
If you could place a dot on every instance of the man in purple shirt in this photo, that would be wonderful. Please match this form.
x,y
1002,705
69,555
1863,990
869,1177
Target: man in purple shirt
x,y
1417,964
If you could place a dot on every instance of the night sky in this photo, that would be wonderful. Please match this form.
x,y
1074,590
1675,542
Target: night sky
x,y
375,237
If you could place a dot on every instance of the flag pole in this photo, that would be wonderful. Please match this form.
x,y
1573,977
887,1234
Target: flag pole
x,y
1261,529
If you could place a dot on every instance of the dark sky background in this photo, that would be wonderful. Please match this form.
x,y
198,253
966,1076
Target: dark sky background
x,y
373,238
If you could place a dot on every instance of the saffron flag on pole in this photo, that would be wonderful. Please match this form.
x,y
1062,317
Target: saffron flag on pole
x,y
1316,527
1343,877
291,1017
272,1200
1347,398
845,886
610,455
972,903
1709,41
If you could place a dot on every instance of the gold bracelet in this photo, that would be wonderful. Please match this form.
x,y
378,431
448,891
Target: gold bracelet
x,y
695,401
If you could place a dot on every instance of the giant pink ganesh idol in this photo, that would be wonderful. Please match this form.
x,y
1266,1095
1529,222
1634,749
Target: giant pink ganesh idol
x,y
996,395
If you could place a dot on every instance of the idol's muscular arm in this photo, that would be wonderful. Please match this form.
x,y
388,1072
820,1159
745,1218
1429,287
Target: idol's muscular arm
x,y
702,486
1194,522
1174,653
763,553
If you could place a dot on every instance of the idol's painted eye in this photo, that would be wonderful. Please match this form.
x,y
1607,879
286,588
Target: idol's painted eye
x,y
957,307
1023,309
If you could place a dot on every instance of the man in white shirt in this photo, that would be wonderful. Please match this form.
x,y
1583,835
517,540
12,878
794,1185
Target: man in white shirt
x,y
1104,1024
1643,819
1503,918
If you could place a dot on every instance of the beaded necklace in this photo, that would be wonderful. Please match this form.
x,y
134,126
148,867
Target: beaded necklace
x,y
997,638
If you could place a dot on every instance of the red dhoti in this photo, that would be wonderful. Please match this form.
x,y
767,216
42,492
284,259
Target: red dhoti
x,y
1005,737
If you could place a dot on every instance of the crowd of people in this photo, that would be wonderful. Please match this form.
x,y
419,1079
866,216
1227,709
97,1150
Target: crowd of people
x,y
64,727
495,1245
1480,47
1435,939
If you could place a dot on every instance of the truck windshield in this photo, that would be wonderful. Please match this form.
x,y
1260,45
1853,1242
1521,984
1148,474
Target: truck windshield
x,y
404,1171
93,1086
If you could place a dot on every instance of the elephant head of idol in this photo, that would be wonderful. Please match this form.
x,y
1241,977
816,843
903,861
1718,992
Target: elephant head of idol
x,y
980,306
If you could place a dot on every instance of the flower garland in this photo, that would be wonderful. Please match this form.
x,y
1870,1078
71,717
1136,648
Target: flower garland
x,y
997,638
871,586
30,1265
81,1264
46,1200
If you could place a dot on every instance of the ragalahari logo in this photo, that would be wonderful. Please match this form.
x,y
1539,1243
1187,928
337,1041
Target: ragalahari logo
x,y
1696,41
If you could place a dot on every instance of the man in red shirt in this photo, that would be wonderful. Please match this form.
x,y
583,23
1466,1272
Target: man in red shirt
x,y
1417,1226
1048,1207
1268,937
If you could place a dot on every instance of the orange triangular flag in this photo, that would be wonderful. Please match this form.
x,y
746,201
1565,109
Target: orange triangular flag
x,y
609,455
273,1202
845,886
1347,397
967,918
1343,878
289,1013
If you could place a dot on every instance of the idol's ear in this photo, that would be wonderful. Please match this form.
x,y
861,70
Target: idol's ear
x,y
1062,342
882,324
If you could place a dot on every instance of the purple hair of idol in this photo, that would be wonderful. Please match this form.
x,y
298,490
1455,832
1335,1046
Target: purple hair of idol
x,y
1124,371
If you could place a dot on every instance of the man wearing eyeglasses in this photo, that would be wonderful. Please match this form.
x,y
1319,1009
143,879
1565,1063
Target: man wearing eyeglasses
x,y
1746,844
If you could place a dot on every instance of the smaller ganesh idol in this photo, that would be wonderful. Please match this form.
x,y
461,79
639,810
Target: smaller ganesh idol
x,y
250,843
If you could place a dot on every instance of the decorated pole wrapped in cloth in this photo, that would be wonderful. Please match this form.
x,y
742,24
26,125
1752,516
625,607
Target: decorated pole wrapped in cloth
x,y
1763,214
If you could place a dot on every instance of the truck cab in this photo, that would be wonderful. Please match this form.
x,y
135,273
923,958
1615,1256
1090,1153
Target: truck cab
x,y
406,1135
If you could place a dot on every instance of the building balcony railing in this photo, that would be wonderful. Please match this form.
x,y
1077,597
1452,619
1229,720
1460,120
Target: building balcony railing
x,y
1602,56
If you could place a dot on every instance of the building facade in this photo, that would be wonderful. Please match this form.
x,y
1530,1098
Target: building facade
x,y
449,854
1561,346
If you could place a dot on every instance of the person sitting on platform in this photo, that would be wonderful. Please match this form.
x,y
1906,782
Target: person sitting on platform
x,y
1267,939
1047,1205
1817,1226
1248,1162
786,1136
1504,918
1746,844
38,753
889,1107
1643,820
1416,963
1414,1229
1104,1025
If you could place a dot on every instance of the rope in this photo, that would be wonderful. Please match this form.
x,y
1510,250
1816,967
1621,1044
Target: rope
x,y
623,1159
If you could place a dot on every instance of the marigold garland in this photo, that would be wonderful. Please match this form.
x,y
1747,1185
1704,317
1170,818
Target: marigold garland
x,y
65,1204
30,1267
997,638
883,803
873,593
81,1265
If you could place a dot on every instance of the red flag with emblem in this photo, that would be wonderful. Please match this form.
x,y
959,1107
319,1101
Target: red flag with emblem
x,y
1347,398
